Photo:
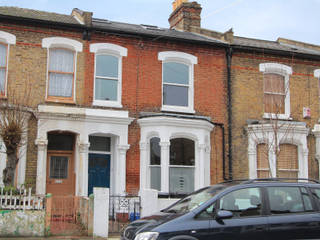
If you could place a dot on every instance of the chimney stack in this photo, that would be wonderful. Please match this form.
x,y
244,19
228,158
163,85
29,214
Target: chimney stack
x,y
185,15
82,16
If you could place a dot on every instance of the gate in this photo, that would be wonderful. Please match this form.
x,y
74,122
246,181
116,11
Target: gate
x,y
69,215
122,211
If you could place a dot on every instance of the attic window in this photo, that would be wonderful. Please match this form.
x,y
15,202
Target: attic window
x,y
151,27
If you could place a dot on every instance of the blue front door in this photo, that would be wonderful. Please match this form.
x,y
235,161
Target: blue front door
x,y
99,171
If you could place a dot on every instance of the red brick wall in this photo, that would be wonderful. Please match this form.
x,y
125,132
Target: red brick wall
x,y
142,91
141,84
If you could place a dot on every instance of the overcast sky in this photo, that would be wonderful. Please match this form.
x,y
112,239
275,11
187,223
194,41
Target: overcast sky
x,y
262,19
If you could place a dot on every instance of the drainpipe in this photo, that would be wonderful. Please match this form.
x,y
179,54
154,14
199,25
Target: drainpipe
x,y
229,58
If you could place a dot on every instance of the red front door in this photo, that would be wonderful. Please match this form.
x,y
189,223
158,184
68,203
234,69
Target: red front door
x,y
60,174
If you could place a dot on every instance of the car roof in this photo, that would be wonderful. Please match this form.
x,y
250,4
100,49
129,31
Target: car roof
x,y
239,183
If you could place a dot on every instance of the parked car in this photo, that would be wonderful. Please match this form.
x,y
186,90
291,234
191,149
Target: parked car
x,y
252,209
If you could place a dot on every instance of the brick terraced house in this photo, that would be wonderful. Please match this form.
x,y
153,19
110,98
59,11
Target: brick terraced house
x,y
118,105
134,107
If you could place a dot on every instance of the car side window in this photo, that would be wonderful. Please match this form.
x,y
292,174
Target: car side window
x,y
242,203
316,196
288,200
208,213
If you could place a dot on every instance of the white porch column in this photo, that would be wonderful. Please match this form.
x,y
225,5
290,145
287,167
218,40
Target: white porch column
x,y
165,161
143,165
41,166
83,169
316,132
121,170
201,165
272,161
252,157
304,173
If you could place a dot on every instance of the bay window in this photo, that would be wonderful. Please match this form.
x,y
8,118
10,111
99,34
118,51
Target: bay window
x,y
174,154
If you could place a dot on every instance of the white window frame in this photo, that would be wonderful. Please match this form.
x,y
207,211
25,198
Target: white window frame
x,y
116,51
167,128
190,61
264,133
7,39
65,43
284,71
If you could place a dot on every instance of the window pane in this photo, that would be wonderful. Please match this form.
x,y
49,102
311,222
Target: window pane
x,y
175,73
306,199
175,95
287,162
155,151
181,152
155,177
262,161
61,60
106,89
274,83
60,142
274,103
181,180
243,203
3,55
285,200
2,79
59,167
107,66
60,85
99,143
316,196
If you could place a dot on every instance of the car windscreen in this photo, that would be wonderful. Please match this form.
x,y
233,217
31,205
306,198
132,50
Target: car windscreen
x,y
194,199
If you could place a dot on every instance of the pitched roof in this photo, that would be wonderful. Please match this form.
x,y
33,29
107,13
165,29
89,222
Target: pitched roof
x,y
151,30
37,15
274,45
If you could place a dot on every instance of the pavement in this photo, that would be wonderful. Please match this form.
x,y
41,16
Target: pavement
x,y
61,238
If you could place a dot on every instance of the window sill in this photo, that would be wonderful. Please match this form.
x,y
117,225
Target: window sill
x,y
277,116
60,100
177,109
106,104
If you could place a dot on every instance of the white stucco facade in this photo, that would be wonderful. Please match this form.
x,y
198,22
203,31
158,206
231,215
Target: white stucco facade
x,y
166,128
287,132
84,122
